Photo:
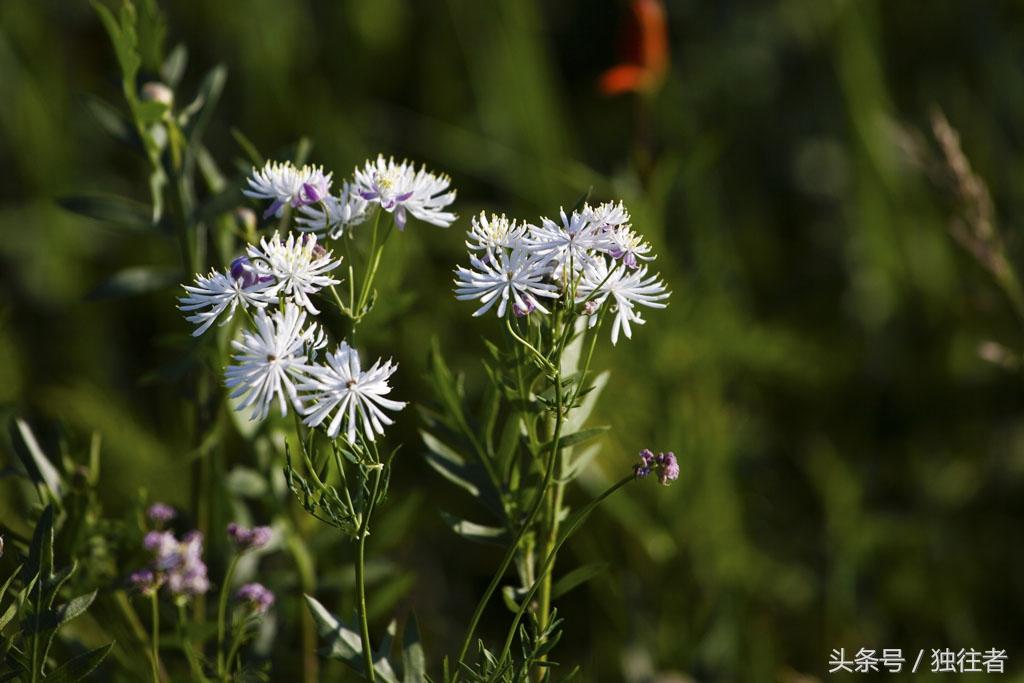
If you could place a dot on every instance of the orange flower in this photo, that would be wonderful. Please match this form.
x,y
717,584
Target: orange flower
x,y
644,51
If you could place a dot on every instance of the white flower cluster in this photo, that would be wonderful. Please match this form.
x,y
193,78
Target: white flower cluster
x,y
275,358
398,188
292,269
277,363
594,254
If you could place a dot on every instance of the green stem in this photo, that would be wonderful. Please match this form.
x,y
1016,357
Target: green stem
x,y
364,627
236,644
550,558
530,519
376,249
155,638
222,610
186,644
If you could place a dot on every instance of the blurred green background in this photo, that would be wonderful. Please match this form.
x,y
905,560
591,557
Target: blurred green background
x,y
852,471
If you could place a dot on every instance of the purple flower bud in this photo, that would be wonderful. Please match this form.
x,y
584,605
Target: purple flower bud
x,y
243,270
590,308
310,193
249,539
144,581
259,597
522,311
161,512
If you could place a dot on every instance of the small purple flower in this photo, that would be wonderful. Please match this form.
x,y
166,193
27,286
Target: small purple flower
x,y
249,539
188,577
178,564
259,597
664,465
164,547
590,308
161,512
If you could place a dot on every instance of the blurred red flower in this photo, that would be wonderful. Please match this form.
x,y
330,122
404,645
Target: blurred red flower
x,y
644,51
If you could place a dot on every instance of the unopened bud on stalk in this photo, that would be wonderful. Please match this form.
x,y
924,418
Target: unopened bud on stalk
x,y
155,91
246,219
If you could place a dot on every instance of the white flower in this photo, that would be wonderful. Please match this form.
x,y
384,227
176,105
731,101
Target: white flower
x,y
270,360
343,211
298,264
607,215
400,188
287,185
494,232
502,276
626,288
343,388
569,245
219,292
628,246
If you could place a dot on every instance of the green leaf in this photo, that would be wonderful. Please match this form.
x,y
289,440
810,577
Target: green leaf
x,y
123,38
414,661
577,577
133,282
508,443
110,209
201,108
579,415
475,532
469,476
7,584
80,666
8,615
583,199
75,607
246,483
445,385
112,121
151,112
39,467
580,462
40,550
152,29
255,158
344,643
55,618
173,67
157,181
450,464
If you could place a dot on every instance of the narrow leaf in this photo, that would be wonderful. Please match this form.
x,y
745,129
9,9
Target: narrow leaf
x,y
109,209
134,282
39,467
577,577
475,532
80,666
40,550
414,661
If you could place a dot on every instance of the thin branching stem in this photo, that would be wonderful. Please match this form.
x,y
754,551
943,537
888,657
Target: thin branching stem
x,y
550,558
222,610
